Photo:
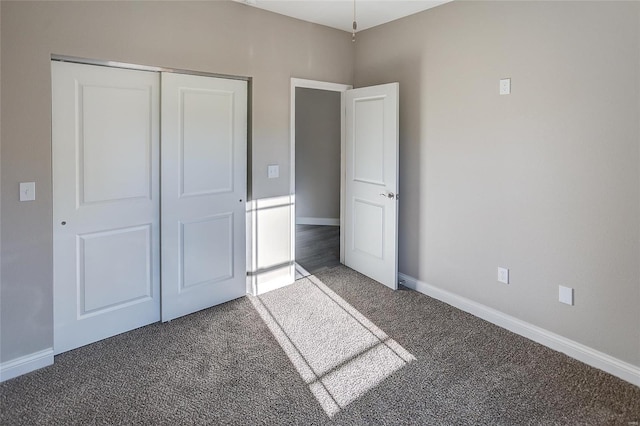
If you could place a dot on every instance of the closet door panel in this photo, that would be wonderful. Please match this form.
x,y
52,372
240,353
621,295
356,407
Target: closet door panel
x,y
204,151
106,228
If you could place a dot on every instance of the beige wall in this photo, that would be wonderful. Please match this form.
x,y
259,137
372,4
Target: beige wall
x,y
545,181
216,37
317,153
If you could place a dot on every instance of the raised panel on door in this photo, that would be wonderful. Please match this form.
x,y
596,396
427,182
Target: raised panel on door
x,y
368,228
206,142
110,166
368,141
114,269
206,250
204,128
371,182
105,142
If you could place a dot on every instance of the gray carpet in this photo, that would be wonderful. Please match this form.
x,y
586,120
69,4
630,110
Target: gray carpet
x,y
337,348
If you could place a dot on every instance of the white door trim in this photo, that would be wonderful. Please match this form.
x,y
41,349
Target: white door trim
x,y
138,67
332,87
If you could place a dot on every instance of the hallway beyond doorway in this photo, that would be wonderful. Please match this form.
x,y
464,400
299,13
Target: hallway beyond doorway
x,y
317,249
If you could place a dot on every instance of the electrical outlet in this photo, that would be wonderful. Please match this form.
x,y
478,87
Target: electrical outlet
x,y
503,275
505,86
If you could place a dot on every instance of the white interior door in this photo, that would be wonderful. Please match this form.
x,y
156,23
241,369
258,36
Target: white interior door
x,y
204,144
371,182
105,124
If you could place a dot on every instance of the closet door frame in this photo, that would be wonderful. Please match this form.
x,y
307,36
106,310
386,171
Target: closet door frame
x,y
114,64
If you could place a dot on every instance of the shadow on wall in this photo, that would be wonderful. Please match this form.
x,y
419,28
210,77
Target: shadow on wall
x,y
337,351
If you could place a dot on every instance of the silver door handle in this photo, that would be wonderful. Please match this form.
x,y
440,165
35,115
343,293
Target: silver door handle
x,y
388,194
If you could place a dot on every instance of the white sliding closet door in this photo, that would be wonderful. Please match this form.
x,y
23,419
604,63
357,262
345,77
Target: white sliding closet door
x,y
105,141
204,144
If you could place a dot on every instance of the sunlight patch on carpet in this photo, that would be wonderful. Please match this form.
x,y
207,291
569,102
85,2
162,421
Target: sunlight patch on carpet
x,y
337,351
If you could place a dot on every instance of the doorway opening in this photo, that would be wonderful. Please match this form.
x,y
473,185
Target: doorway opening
x,y
317,134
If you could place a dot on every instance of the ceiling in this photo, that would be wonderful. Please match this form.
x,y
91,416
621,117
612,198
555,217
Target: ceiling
x,y
339,13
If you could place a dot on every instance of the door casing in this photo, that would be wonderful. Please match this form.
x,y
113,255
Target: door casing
x,y
342,88
332,87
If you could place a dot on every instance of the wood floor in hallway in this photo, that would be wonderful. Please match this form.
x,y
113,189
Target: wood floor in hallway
x,y
317,248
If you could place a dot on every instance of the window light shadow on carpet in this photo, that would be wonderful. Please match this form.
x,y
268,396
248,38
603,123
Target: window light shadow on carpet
x,y
338,352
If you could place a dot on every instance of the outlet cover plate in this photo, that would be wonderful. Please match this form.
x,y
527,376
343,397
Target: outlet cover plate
x,y
565,295
27,191
505,86
273,171
503,275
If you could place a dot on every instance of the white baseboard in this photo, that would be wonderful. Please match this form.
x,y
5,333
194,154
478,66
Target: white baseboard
x,y
589,356
327,221
25,364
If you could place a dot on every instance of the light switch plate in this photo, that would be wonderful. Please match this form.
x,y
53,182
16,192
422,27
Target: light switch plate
x,y
505,86
565,295
27,191
273,171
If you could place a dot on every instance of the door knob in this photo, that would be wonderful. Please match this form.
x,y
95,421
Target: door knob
x,y
388,194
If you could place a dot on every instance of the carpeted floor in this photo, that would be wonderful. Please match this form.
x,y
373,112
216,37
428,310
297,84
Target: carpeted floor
x,y
337,348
